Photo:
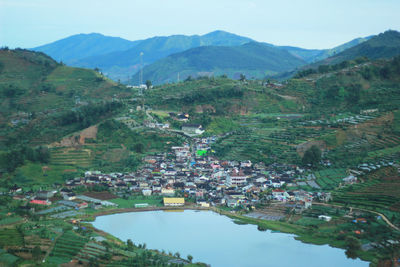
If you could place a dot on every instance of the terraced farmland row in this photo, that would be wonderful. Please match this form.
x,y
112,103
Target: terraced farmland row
x,y
91,250
10,237
330,178
71,156
67,247
253,146
380,192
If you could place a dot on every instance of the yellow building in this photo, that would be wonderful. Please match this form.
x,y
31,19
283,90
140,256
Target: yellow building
x,y
174,201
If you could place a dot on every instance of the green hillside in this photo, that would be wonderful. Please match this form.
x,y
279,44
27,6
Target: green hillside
x,y
349,86
385,45
253,60
313,55
37,94
44,108
219,96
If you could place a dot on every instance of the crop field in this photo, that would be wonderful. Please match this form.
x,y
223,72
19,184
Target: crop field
x,y
10,237
71,156
380,192
330,178
67,247
91,250
10,220
253,142
384,152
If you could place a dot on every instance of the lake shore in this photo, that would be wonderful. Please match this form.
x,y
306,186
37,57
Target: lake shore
x,y
207,225
301,233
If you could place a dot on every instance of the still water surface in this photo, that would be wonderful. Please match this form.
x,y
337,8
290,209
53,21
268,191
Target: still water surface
x,y
217,240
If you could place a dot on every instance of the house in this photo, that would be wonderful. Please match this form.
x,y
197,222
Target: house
x,y
45,194
69,196
141,205
173,201
236,178
40,202
183,117
146,192
245,164
192,129
231,202
203,203
15,189
279,194
351,179
82,205
72,204
167,191
325,218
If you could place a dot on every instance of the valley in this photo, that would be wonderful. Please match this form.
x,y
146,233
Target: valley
x,y
316,155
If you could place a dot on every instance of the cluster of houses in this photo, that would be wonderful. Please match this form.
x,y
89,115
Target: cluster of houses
x,y
191,171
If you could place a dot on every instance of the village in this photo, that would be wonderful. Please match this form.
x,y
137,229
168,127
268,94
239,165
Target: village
x,y
187,176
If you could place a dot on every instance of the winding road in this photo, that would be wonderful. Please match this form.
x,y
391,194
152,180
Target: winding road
x,y
361,209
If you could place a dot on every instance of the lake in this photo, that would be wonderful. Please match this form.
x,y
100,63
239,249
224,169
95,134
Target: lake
x,y
215,239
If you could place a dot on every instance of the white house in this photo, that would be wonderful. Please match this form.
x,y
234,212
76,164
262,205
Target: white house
x,y
192,129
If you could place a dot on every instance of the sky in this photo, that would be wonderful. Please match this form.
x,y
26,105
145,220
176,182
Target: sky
x,y
303,23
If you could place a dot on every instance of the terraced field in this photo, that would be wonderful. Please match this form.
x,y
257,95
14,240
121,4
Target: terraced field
x,y
72,156
91,250
66,248
330,178
10,237
379,192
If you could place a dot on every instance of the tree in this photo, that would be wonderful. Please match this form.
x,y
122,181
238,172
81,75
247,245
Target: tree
x,y
148,84
129,243
352,246
36,253
190,258
242,77
312,156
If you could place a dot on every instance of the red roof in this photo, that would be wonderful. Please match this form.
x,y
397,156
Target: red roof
x,y
278,190
39,202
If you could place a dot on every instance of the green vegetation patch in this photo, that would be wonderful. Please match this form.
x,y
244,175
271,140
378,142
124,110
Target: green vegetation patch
x,y
11,237
132,200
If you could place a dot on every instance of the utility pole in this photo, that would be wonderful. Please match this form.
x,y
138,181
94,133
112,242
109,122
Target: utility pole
x,y
141,74
178,77
141,69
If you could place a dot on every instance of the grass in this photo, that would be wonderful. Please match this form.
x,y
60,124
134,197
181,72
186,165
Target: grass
x,y
307,221
8,259
36,173
130,203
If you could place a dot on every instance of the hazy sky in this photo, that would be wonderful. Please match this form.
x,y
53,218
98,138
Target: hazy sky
x,y
304,23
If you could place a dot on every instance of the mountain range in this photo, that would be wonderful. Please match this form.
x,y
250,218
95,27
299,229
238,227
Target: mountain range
x,y
254,60
214,53
119,58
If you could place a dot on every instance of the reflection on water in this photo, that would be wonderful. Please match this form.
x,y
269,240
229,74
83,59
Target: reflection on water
x,y
218,240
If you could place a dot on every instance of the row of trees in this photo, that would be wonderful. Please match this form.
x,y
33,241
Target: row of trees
x,y
88,115
10,160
